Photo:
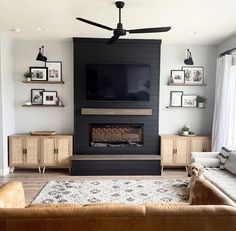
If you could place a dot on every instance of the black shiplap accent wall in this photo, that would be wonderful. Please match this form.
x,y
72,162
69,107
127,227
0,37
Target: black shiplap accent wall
x,y
88,50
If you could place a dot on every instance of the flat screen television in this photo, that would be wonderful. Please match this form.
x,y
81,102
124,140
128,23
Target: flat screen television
x,y
117,82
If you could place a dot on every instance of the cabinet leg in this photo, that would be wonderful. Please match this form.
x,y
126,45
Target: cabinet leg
x,y
69,169
162,168
186,168
12,170
44,169
39,170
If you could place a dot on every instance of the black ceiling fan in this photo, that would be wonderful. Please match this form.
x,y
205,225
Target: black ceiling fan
x,y
119,31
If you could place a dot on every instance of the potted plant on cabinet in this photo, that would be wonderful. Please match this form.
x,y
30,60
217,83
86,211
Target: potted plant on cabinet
x,y
185,130
201,101
27,75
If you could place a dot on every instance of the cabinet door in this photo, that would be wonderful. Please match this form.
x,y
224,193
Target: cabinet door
x,y
197,144
16,146
48,151
207,144
32,147
64,150
167,147
181,154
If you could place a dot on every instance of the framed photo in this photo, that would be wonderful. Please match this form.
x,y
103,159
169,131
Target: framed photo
x,y
39,73
49,98
37,96
54,70
189,101
177,76
193,75
176,98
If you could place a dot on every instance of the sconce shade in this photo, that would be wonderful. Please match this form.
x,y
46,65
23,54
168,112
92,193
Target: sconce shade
x,y
189,60
40,56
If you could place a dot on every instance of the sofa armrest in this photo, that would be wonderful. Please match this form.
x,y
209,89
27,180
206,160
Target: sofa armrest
x,y
207,159
12,195
205,193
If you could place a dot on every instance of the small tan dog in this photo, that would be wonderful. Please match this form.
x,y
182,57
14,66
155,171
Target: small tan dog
x,y
195,171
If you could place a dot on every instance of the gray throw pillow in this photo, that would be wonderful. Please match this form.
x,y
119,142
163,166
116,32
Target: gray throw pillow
x,y
223,156
230,164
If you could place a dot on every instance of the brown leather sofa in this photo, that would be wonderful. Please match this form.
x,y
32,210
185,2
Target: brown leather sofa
x,y
212,211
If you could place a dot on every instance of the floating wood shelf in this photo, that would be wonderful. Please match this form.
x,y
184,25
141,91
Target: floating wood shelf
x,y
115,111
116,157
182,84
37,105
44,82
186,107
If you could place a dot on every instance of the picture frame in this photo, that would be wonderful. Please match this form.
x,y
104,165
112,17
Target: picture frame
x,y
177,76
193,75
189,100
49,97
54,70
176,98
39,73
37,96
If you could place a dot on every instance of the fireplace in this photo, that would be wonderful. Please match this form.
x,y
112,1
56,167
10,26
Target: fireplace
x,y
107,154
116,135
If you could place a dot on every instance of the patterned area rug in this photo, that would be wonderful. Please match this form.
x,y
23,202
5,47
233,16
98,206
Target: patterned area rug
x,y
113,191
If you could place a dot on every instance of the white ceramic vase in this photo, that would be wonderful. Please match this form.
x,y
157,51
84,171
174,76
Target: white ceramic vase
x,y
201,104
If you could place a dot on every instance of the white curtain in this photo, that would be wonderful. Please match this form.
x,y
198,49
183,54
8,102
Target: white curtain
x,y
225,106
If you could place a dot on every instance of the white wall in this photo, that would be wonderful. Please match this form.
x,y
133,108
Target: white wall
x,y
7,110
227,44
172,119
43,118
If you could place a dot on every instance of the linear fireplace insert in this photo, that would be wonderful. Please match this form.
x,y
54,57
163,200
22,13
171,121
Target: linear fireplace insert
x,y
116,135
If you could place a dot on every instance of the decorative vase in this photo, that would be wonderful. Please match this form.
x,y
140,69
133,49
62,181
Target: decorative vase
x,y
200,104
185,133
28,79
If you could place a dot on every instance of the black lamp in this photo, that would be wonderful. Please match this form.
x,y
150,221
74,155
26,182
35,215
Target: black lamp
x,y
40,56
189,60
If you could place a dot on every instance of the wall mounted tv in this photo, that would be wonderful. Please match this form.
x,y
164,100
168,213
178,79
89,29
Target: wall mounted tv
x,y
117,82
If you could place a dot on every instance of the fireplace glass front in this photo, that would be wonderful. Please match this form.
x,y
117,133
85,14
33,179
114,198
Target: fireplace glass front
x,y
116,135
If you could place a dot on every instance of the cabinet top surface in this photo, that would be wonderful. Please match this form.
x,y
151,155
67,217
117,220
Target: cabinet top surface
x,y
26,134
179,136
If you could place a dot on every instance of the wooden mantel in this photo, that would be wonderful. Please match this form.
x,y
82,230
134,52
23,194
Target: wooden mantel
x,y
116,111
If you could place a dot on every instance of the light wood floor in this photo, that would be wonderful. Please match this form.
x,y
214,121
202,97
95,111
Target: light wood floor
x,y
33,181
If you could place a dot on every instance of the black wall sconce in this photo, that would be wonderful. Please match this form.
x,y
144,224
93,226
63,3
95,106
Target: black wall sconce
x,y
189,60
40,56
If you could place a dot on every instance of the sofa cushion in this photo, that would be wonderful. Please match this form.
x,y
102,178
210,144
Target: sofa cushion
x,y
230,164
223,180
223,156
208,162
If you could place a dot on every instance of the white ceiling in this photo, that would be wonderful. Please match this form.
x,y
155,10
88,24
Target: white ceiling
x,y
213,20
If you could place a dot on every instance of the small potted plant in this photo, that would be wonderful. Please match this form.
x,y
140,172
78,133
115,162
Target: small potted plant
x,y
201,101
185,130
27,75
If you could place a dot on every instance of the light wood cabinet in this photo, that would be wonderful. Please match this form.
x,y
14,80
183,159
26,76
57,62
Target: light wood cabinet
x,y
200,144
39,151
175,150
56,151
24,151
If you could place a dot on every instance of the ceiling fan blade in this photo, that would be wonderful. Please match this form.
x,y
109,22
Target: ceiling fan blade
x,y
94,23
113,39
149,30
